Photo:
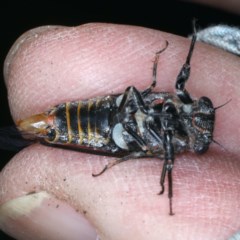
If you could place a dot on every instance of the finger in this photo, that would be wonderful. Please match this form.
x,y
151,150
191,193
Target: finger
x,y
39,215
84,70
76,63
81,63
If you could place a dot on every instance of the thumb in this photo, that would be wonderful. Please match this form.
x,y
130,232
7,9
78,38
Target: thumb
x,y
43,216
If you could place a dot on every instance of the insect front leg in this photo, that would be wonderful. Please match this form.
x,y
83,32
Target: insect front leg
x,y
184,74
167,167
168,126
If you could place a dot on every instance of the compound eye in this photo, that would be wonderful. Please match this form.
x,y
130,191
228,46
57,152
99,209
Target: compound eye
x,y
51,135
201,148
205,104
202,144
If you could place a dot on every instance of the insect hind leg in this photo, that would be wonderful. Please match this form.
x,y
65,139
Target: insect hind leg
x,y
154,73
184,73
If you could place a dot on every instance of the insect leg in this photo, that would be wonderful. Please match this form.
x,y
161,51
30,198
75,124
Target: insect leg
x,y
133,155
109,165
168,126
154,73
153,130
132,101
132,130
184,74
162,179
167,167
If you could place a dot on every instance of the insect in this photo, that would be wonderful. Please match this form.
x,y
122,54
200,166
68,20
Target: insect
x,y
135,124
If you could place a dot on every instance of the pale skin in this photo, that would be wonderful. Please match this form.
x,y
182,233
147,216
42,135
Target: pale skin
x,y
60,64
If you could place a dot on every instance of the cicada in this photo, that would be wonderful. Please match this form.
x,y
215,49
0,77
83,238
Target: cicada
x,y
133,124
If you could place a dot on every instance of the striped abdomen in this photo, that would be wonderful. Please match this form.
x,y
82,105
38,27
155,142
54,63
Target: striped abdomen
x,y
83,123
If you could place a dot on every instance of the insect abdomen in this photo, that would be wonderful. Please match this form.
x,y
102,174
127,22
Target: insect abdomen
x,y
84,123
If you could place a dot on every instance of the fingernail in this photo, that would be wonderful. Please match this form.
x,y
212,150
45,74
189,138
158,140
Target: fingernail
x,y
27,36
42,216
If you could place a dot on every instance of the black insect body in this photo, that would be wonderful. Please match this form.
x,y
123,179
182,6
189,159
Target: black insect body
x,y
132,125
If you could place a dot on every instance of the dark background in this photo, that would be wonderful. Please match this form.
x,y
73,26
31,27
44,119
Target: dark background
x,y
170,16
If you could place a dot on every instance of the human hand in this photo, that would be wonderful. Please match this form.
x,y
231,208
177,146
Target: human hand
x,y
53,189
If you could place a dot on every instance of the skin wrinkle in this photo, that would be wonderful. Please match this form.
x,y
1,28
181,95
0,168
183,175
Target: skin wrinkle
x,y
103,195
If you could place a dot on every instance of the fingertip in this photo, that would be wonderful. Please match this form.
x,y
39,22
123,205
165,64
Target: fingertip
x,y
28,36
42,216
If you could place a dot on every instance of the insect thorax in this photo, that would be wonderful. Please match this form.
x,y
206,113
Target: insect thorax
x,y
192,125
